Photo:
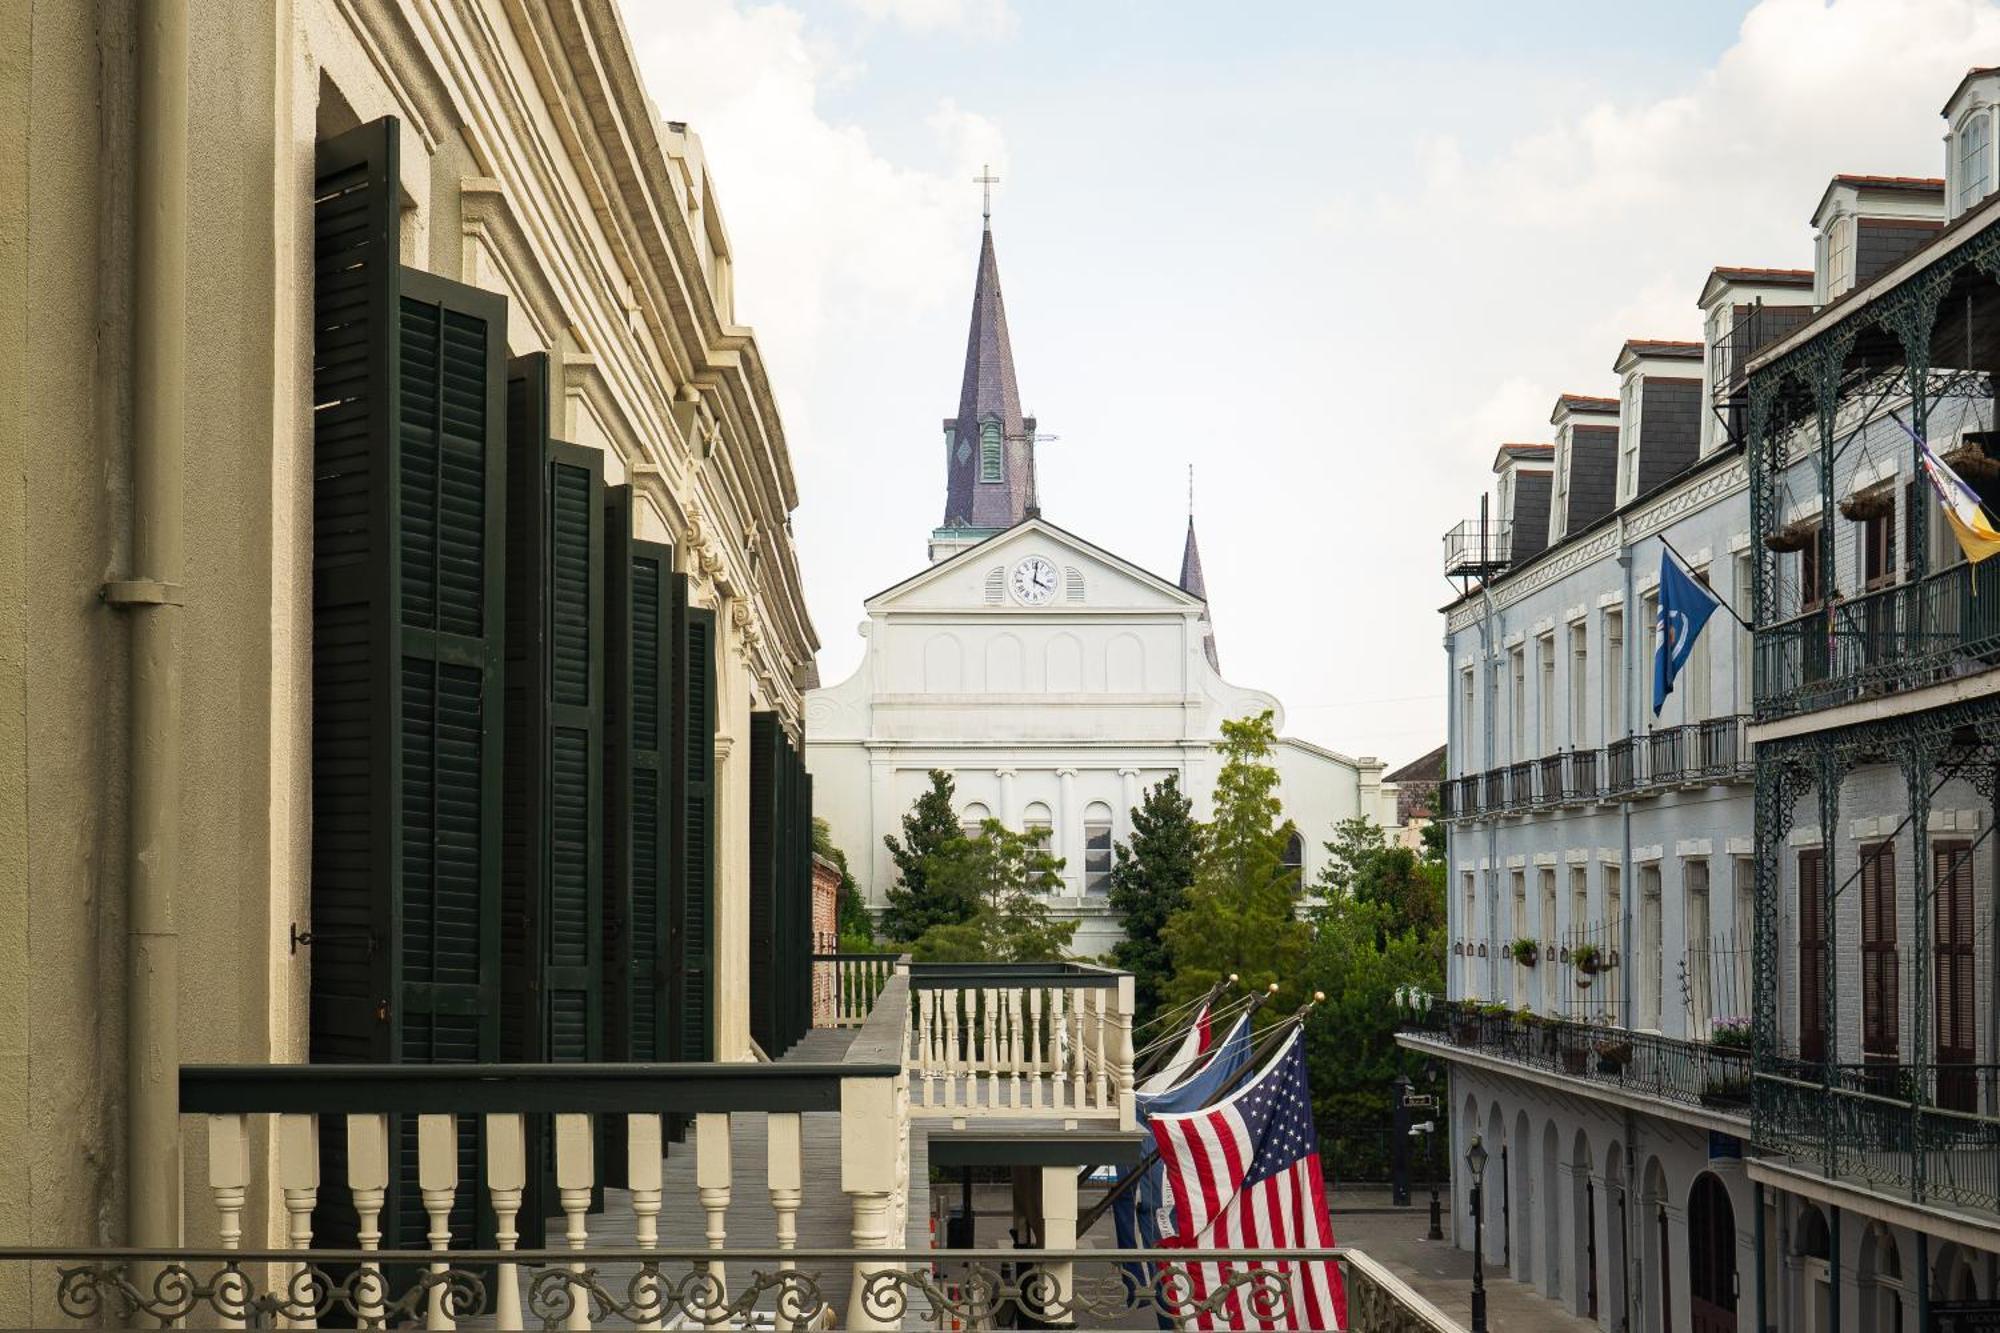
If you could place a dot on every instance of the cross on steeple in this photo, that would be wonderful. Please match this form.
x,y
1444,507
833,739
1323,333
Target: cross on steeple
x,y
986,180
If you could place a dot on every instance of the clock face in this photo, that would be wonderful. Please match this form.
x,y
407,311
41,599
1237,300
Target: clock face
x,y
1034,581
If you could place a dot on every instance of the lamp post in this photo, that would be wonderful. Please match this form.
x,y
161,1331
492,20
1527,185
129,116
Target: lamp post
x,y
1475,1160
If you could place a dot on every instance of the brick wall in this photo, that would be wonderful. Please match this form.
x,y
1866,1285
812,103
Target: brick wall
x,y
826,935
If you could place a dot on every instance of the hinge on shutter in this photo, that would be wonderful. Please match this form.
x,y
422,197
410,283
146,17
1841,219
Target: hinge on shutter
x,y
353,935
140,592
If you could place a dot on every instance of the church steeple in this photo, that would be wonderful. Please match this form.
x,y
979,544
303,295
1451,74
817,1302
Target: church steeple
x,y
1191,581
990,446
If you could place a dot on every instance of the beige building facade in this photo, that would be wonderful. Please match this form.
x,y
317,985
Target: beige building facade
x,y
533,166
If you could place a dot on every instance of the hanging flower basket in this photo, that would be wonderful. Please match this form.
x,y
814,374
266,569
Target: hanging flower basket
x,y
1793,536
1587,961
1876,502
1613,1054
1969,459
1525,952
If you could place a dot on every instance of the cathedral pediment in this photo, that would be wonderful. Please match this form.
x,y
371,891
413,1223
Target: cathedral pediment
x,y
1034,567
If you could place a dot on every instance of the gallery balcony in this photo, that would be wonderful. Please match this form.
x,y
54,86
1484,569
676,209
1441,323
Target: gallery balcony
x,y
1712,1081
1879,644
1697,754
786,1194
1928,1136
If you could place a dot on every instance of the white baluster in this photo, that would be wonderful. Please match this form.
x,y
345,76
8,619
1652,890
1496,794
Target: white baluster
x,y
1076,1010
989,1055
1035,1048
785,1171
576,1170
1102,1080
368,1181
951,1064
298,1177
712,1180
437,1181
1015,1055
643,1153
925,1054
506,1177
1058,1048
1121,1053
229,1181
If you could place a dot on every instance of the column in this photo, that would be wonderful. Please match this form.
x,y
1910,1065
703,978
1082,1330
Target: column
x,y
1009,812
1128,800
883,817
1069,831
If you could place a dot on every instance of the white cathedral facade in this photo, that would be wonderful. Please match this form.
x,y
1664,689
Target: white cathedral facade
x,y
1053,680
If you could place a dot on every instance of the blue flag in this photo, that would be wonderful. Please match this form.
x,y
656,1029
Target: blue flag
x,y
1685,606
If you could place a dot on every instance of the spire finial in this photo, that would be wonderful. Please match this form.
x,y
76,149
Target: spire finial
x,y
1190,493
986,180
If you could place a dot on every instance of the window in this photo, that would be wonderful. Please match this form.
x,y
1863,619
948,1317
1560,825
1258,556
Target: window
x,y
1700,948
973,820
1809,575
1579,681
1614,675
1839,256
1812,954
1740,637
1547,972
1559,507
1545,696
996,585
1629,395
1693,686
1517,926
956,450
1295,861
1974,174
1072,583
990,464
1097,848
1649,644
1468,931
1714,427
1517,731
1614,917
1467,759
1878,550
1648,949
1579,898
1878,952
1742,939
1039,826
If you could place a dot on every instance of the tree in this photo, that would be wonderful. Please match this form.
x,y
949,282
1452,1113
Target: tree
x,y
1381,925
1007,876
1238,915
1150,876
851,923
931,840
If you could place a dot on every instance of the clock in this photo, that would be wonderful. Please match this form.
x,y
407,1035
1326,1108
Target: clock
x,y
1034,581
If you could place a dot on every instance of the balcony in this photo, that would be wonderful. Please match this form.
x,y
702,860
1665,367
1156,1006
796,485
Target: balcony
x,y
1884,642
1621,765
1550,782
416,1194
1582,784
1687,1073
1697,754
1478,548
1520,787
1929,1135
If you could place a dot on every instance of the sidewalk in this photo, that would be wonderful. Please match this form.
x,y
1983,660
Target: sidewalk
x,y
1441,1273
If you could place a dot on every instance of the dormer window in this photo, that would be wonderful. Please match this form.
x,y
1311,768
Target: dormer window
x,y
1974,172
1629,396
989,452
1839,256
1559,509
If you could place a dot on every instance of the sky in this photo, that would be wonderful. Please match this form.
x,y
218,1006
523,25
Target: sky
x,y
1329,255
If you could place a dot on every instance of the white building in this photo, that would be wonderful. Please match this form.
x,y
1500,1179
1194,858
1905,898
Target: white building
x,y
1054,680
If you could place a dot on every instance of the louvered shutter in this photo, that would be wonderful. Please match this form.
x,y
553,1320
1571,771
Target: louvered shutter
x,y
691,916
1956,975
767,795
1812,956
407,575
637,835
1879,977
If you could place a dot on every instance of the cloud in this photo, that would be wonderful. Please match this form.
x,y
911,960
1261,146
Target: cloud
x,y
989,18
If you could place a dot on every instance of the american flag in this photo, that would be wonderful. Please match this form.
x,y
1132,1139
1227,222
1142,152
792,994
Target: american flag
x,y
1245,1174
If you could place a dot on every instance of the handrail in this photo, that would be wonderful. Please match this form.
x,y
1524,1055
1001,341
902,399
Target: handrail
x,y
953,976
503,1088
854,957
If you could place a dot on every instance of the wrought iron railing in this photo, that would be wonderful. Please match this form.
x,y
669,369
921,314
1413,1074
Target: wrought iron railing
x,y
1478,547
1720,753
1496,791
1687,1072
1583,782
1884,642
1666,756
1621,763
1930,1134
1521,786
1549,781
779,1289
1698,752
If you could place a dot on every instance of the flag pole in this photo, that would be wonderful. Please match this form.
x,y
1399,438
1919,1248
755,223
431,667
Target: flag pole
x,y
1284,1027
1720,601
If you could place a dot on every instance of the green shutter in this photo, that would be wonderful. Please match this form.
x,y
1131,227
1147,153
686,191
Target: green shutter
x,y
637,834
767,796
407,578
691,945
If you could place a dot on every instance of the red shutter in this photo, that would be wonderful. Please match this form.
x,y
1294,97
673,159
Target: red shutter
x,y
1812,956
1954,972
1878,953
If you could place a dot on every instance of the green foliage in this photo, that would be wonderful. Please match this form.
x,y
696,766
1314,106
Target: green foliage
x,y
1238,916
1007,878
1381,927
1150,876
1433,835
850,921
928,892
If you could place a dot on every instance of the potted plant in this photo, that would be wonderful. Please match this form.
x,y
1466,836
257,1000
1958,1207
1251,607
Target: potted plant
x,y
1587,960
1614,1052
1731,1034
1525,952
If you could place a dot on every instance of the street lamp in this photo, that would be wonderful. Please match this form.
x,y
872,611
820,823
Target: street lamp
x,y
1475,1160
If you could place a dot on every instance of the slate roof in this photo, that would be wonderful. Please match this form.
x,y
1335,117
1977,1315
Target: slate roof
x,y
989,393
1593,475
1582,402
1531,516
1667,349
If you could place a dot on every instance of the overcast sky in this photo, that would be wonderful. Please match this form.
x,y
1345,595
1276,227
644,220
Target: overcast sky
x,y
1331,254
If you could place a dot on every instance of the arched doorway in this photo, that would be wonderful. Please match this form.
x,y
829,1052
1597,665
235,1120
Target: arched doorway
x,y
1521,1210
1552,1283
1493,1194
1882,1296
1813,1247
1711,1234
1616,1204
1953,1278
1656,1250
1584,1204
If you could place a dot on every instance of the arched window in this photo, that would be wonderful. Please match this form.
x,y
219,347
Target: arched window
x,y
1295,861
1097,848
1039,825
996,585
1072,583
974,816
990,465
